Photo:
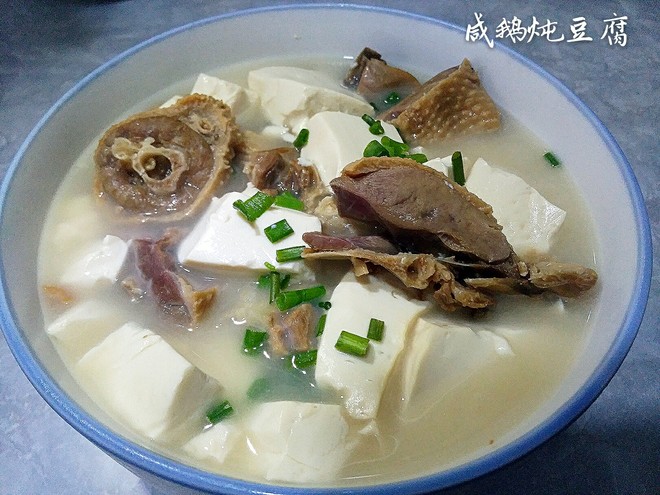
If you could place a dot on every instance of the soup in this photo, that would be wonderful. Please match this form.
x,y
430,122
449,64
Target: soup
x,y
444,390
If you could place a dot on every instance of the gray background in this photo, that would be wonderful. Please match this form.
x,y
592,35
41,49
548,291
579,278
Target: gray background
x,y
47,46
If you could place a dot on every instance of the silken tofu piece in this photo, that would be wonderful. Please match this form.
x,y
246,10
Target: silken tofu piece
x,y
440,356
216,442
441,165
83,326
361,380
337,139
101,261
224,239
291,95
145,383
528,220
237,97
299,441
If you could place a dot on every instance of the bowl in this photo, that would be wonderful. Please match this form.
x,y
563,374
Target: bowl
x,y
539,101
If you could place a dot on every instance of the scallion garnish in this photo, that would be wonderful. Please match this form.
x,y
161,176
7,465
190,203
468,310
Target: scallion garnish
x,y
301,139
259,388
289,254
419,157
394,148
349,343
457,168
288,200
552,159
284,282
264,280
325,305
278,231
376,328
253,340
270,266
374,148
368,119
392,98
304,359
253,207
288,299
320,326
219,412
275,285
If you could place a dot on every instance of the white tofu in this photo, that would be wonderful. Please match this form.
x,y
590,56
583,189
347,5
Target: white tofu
x,y
299,442
144,382
337,139
441,165
83,326
237,97
528,220
361,380
440,356
291,95
214,443
224,239
100,262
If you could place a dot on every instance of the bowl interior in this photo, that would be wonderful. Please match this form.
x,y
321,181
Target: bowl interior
x,y
536,99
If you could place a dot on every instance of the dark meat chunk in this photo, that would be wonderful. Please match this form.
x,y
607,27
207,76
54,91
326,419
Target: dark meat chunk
x,y
452,103
374,79
157,268
421,208
278,170
166,163
291,332
324,242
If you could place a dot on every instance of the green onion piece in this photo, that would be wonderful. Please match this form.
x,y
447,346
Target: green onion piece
x,y
374,148
219,412
264,280
376,328
457,168
259,388
288,200
253,207
275,285
301,139
349,343
394,148
419,157
288,299
289,254
325,305
377,128
284,283
304,359
552,159
368,119
320,326
392,98
270,266
278,231
253,340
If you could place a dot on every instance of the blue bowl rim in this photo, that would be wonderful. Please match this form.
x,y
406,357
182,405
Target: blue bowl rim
x,y
173,471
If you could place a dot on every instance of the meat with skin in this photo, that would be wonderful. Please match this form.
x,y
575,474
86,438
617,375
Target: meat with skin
x,y
324,242
166,163
291,332
452,103
421,208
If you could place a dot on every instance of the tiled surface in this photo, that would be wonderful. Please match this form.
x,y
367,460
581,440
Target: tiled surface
x,y
614,448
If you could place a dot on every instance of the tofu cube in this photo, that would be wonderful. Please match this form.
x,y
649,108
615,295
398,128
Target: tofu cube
x,y
528,220
101,261
237,97
214,443
361,380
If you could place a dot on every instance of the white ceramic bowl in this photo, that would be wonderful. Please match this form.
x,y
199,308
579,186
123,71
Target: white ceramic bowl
x,y
534,97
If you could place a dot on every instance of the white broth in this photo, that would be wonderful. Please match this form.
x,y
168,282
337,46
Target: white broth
x,y
448,426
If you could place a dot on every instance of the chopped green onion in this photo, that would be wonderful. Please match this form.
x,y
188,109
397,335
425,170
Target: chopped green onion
x,y
259,388
289,254
253,207
275,285
219,412
288,299
264,280
325,305
288,200
374,148
253,340
320,326
301,139
375,331
278,231
394,148
284,283
376,128
392,98
457,168
304,359
350,343
368,119
270,266
552,159
419,157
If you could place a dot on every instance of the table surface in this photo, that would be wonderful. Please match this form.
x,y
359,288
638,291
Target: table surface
x,y
614,447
